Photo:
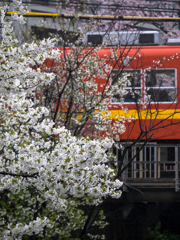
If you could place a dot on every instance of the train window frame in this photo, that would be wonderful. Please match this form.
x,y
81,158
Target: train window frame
x,y
129,88
147,88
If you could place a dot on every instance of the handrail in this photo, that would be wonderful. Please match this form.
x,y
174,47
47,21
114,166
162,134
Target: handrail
x,y
97,17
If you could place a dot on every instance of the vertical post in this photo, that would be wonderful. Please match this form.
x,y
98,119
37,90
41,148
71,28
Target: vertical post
x,y
141,164
176,170
134,170
155,162
158,164
150,160
145,164
125,172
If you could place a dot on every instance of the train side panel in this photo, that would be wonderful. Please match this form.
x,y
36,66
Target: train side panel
x,y
159,67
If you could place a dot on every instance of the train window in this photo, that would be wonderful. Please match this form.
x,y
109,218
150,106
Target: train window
x,y
146,38
133,89
161,85
95,39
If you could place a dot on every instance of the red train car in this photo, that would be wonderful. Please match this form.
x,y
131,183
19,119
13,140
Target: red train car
x,y
150,157
155,73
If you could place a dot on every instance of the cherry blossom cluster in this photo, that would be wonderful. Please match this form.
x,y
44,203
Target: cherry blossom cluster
x,y
46,173
82,92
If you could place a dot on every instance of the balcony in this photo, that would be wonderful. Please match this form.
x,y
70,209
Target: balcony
x,y
155,166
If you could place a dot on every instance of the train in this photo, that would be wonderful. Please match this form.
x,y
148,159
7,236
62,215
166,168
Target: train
x,y
154,69
149,150
154,72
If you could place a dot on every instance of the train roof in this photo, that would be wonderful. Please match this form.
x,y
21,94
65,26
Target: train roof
x,y
154,52
124,38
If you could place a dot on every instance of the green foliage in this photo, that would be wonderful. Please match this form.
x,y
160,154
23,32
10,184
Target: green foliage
x,y
158,234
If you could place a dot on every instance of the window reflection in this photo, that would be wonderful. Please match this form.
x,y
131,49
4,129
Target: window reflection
x,y
160,85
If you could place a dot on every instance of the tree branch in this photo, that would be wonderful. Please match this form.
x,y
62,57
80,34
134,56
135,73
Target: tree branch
x,y
34,175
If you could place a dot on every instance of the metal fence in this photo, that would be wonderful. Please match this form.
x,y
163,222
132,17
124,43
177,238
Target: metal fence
x,y
154,166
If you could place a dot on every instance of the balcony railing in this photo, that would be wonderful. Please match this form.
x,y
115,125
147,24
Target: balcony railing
x,y
154,166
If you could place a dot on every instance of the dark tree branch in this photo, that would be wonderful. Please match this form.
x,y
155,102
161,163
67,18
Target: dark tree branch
x,y
34,175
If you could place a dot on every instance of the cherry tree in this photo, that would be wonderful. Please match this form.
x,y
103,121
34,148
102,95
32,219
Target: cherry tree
x,y
80,95
46,173
128,8
49,100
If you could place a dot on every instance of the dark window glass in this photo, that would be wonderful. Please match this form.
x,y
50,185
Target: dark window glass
x,y
146,38
133,87
42,2
161,85
95,39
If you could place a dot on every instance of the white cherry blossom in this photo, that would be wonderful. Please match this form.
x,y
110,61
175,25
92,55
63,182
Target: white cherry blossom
x,y
46,173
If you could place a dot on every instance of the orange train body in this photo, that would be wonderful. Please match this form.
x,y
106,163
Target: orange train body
x,y
164,115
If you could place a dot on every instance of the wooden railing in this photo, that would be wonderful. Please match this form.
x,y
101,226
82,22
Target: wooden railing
x,y
155,166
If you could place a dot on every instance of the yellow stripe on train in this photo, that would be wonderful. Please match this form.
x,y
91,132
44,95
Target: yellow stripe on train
x,y
141,114
146,114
